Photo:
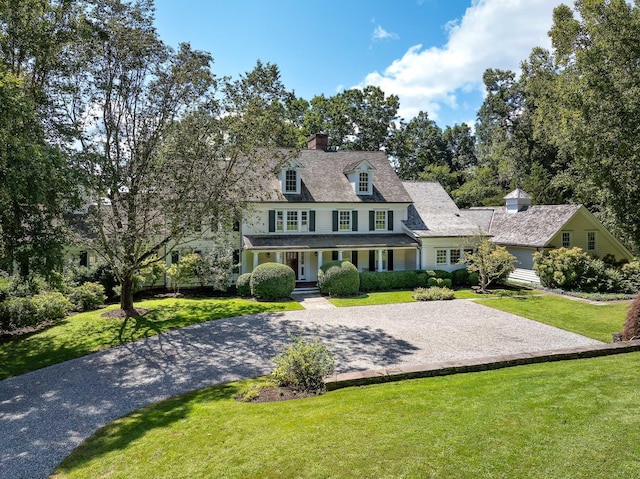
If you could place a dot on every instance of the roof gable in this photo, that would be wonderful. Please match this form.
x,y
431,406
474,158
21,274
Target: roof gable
x,y
434,213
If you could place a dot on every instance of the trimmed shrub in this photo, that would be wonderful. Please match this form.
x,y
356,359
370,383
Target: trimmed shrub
x,y
460,277
302,365
440,273
387,280
339,278
19,312
272,281
432,294
631,329
87,297
243,284
439,283
50,306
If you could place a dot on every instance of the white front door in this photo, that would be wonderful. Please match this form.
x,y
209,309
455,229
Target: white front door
x,y
302,267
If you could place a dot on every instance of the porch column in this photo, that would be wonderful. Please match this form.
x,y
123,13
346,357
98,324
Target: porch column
x,y
255,259
418,252
339,255
278,257
319,259
379,260
423,254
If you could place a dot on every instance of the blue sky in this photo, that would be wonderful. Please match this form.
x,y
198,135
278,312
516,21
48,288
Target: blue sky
x,y
431,53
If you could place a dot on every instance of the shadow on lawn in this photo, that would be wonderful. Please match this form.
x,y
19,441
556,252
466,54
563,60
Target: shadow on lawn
x,y
207,354
119,434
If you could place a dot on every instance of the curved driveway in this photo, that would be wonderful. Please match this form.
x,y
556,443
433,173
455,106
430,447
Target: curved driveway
x,y
45,414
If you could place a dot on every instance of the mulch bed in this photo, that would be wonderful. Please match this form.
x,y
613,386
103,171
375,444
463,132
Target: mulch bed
x,y
277,393
121,313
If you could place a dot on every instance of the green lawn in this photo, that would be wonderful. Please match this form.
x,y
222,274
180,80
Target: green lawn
x,y
573,419
88,332
391,297
593,321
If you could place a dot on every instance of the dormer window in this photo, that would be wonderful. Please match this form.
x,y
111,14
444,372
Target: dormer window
x,y
291,182
360,175
290,178
363,183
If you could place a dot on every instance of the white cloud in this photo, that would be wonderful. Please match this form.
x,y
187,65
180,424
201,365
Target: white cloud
x,y
380,33
491,34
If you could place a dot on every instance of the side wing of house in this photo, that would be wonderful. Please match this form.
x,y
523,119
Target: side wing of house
x,y
584,231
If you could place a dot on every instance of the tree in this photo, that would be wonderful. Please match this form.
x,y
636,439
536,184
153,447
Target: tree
x,y
492,263
354,119
163,142
417,145
595,108
37,184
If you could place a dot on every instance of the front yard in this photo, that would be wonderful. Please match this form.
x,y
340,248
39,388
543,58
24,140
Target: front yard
x,y
89,332
573,419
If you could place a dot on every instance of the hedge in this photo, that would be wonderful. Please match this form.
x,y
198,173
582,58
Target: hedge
x,y
243,284
387,280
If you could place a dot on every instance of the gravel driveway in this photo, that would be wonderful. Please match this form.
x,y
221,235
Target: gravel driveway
x,y
45,414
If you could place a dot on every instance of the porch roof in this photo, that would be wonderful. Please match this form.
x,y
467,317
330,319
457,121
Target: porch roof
x,y
327,242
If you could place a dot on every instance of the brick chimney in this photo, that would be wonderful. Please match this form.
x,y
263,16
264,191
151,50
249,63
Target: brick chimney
x,y
319,141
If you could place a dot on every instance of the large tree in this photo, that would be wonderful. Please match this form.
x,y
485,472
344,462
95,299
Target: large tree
x,y
37,185
165,144
356,119
595,111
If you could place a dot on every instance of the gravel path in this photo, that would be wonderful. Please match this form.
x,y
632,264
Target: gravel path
x,y
45,414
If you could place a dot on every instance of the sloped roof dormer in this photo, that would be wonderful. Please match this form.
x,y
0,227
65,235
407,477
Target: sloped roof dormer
x,y
360,175
290,177
517,200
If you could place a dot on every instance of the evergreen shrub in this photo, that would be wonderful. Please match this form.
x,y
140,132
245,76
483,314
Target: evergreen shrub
x,y
87,296
272,281
339,278
243,284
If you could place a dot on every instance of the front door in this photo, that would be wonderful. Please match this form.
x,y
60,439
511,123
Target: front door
x,y
292,262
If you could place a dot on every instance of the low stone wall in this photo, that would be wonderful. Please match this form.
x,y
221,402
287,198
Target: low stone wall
x,y
360,378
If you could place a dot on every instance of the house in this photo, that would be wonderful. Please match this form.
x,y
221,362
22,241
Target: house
x,y
523,229
329,205
434,220
320,205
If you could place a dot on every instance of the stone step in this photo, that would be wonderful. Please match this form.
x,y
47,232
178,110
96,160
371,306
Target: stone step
x,y
307,290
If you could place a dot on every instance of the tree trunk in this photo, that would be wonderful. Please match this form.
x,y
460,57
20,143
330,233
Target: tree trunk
x,y
126,295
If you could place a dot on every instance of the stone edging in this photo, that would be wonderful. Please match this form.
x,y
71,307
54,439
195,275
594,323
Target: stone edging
x,y
360,378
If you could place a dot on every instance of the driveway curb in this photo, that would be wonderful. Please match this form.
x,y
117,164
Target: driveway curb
x,y
447,368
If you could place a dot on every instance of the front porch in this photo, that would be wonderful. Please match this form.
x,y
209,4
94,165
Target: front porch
x,y
305,254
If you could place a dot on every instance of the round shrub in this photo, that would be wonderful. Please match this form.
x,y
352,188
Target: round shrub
x,y
50,306
339,278
474,279
302,365
460,277
243,284
87,296
439,282
17,312
272,281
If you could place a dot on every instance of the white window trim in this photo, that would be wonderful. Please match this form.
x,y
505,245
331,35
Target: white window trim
x,y
570,242
446,252
595,240
340,224
284,182
285,221
375,220
451,261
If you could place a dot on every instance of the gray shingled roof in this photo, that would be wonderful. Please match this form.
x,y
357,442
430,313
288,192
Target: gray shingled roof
x,y
434,213
335,241
533,227
517,193
323,179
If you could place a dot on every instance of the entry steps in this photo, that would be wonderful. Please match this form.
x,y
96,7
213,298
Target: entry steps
x,y
307,290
